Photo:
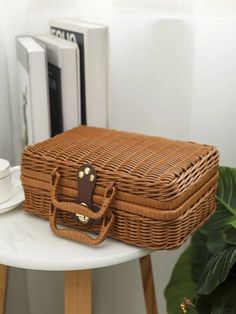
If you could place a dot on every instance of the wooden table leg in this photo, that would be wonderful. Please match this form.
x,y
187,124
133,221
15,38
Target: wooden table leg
x,y
78,292
3,287
148,284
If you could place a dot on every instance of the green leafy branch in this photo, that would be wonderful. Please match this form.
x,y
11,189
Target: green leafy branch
x,y
206,272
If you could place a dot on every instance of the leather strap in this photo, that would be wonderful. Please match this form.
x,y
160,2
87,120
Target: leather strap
x,y
74,208
86,181
79,235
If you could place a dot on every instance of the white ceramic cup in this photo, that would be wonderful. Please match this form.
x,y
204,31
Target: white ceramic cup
x,y
5,181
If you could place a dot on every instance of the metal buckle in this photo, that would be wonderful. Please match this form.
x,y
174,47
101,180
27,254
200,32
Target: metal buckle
x,y
83,219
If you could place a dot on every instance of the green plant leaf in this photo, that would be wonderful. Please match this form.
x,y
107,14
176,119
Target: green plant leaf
x,y
210,258
232,222
214,228
226,210
220,301
230,235
226,195
216,270
199,255
181,284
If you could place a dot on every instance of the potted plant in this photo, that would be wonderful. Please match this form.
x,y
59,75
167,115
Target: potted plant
x,y
204,278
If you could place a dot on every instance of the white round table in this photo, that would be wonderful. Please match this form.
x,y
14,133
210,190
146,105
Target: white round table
x,y
27,242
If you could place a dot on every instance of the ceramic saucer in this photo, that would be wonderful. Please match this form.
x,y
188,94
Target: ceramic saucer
x,y
17,192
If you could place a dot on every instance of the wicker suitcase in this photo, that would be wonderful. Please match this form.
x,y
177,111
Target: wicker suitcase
x,y
148,191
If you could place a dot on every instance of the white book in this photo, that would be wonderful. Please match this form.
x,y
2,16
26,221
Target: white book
x,y
64,82
92,40
33,90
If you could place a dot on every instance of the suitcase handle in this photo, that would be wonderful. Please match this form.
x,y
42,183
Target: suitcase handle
x,y
75,208
79,235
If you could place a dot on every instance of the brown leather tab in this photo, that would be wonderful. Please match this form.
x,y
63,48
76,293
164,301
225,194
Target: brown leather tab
x,y
86,179
86,183
75,208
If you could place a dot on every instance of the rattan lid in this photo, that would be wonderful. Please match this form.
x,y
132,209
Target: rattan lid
x,y
146,166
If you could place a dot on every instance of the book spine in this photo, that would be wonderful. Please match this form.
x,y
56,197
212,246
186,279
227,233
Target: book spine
x,y
39,96
77,38
55,97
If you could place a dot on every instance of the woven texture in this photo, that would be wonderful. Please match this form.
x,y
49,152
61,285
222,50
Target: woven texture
x,y
165,189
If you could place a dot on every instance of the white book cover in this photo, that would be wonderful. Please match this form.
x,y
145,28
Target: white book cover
x,y
92,40
33,90
63,81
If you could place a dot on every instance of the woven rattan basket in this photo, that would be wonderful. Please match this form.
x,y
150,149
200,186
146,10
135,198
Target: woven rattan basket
x,y
148,191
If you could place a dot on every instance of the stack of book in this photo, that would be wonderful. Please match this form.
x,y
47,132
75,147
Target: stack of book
x,y
62,79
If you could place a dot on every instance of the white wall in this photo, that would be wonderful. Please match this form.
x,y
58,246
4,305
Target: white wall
x,y
152,74
214,96
172,74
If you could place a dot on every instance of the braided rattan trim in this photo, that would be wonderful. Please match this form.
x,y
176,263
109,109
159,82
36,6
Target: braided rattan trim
x,y
126,206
